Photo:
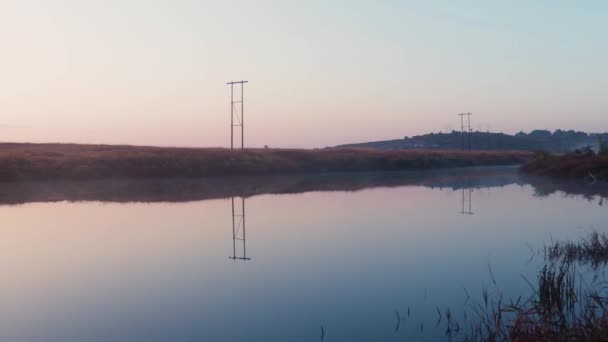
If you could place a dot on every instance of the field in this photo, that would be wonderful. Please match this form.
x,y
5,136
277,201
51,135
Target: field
x,y
71,161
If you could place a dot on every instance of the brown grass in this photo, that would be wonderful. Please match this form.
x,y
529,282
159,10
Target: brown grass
x,y
563,305
71,161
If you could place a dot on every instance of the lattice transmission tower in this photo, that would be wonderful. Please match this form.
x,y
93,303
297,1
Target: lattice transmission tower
x,y
237,113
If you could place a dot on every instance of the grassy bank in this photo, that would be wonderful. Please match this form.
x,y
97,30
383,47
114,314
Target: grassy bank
x,y
581,165
71,161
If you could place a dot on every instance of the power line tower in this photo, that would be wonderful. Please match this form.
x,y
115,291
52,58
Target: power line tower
x,y
466,137
236,118
238,230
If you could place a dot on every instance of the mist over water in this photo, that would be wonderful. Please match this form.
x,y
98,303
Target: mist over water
x,y
334,264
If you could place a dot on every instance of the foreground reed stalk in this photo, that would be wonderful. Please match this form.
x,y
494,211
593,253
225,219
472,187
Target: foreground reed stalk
x,y
562,306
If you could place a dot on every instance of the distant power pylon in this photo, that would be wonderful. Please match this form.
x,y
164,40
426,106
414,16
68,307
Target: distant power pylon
x,y
237,120
468,135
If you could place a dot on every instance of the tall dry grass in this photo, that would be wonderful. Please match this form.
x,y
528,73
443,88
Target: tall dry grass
x,y
71,161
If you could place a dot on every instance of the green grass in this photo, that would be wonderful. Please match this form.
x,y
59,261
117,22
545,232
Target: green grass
x,y
71,161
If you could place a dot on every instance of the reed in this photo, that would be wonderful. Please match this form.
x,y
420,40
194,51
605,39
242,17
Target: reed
x,y
69,161
562,306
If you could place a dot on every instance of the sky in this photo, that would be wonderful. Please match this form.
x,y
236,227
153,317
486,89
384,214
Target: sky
x,y
320,73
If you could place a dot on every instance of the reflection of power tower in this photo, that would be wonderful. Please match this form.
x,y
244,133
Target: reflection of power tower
x,y
238,229
467,196
236,119
466,137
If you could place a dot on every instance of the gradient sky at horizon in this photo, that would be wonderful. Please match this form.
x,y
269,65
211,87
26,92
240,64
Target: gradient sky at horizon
x,y
321,72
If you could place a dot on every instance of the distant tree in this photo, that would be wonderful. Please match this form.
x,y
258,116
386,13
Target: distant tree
x,y
540,133
561,141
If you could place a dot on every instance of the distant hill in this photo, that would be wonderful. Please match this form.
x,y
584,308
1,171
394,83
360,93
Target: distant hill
x,y
558,141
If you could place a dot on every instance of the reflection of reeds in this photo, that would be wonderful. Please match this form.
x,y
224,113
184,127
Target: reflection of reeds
x,y
398,320
592,250
191,189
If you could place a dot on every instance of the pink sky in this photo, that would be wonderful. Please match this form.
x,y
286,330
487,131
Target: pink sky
x,y
154,72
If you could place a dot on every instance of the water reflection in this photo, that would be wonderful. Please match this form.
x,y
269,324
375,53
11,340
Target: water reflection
x,y
467,197
546,186
239,236
194,189
158,272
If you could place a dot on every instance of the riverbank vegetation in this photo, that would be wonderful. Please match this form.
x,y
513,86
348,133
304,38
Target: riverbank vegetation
x,y
569,300
584,164
72,161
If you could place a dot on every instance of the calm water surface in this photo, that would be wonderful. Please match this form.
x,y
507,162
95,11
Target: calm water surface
x,y
342,260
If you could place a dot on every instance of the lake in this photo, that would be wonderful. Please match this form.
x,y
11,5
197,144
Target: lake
x,y
321,257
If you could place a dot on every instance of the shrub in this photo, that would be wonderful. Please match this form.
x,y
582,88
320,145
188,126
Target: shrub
x,y
542,155
584,151
602,147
